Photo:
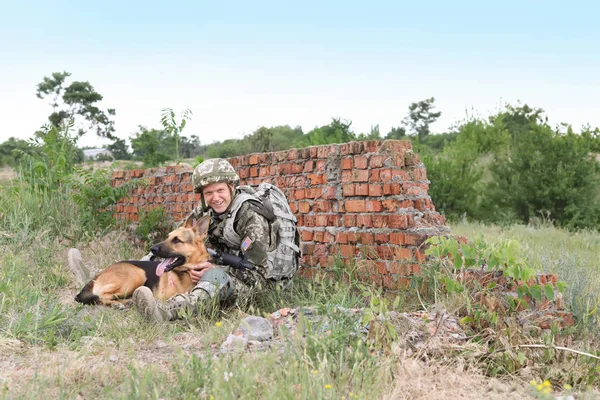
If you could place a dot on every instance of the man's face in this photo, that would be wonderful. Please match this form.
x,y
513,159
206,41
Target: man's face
x,y
217,196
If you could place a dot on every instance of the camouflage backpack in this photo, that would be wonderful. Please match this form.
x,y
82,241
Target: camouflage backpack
x,y
270,202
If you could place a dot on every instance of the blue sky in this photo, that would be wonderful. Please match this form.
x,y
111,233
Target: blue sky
x,y
241,65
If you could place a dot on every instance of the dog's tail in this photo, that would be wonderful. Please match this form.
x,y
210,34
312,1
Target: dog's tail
x,y
86,296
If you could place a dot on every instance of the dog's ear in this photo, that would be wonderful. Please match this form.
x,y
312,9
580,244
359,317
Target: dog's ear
x,y
202,225
190,222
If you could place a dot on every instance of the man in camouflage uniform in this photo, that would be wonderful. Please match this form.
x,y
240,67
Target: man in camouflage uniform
x,y
217,182
237,227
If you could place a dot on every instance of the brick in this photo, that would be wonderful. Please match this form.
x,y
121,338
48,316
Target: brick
x,y
360,162
349,220
341,237
403,253
364,221
360,175
397,238
347,250
392,205
322,206
361,189
347,163
367,238
355,206
391,282
376,161
348,190
320,166
414,239
398,221
318,236
399,268
375,190
306,236
379,221
386,252
321,220
369,252
292,154
385,175
373,206
304,207
309,166
381,238
329,193
320,250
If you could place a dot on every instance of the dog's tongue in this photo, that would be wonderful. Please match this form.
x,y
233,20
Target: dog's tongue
x,y
163,264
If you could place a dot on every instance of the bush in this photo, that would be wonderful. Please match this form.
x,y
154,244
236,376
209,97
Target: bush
x,y
546,173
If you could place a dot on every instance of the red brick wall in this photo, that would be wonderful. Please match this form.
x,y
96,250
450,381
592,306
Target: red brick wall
x,y
358,201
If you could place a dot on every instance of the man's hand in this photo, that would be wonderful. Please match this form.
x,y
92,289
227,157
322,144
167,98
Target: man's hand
x,y
198,270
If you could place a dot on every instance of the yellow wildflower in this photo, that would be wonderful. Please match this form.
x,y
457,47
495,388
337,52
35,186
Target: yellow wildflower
x,y
218,324
327,386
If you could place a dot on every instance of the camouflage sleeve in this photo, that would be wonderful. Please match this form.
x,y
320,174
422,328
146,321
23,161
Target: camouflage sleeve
x,y
253,229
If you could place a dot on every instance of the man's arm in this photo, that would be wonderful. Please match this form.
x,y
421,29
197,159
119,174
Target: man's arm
x,y
254,232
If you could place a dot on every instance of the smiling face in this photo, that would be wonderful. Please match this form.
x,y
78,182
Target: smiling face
x,y
217,196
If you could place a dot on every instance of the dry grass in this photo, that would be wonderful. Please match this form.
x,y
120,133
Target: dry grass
x,y
441,380
6,174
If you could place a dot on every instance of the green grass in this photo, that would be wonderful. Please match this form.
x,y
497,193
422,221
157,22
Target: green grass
x,y
52,347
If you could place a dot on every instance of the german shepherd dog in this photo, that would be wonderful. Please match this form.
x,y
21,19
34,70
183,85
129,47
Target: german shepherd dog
x,y
183,248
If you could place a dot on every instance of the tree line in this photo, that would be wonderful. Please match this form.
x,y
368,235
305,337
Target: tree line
x,y
511,167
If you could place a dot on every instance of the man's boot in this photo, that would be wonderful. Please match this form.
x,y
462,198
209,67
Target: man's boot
x,y
215,282
81,273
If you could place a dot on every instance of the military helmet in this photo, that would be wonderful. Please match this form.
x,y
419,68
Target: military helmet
x,y
212,171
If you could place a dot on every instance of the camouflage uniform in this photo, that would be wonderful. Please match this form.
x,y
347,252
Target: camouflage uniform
x,y
249,224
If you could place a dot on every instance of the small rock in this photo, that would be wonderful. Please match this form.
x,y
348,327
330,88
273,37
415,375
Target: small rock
x,y
256,328
234,344
113,358
161,345
255,345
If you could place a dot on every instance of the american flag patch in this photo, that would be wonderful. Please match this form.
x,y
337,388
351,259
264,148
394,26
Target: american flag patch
x,y
246,243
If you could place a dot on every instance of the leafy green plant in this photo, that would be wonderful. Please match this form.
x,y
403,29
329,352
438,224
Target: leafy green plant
x,y
95,195
153,225
172,127
449,256
52,159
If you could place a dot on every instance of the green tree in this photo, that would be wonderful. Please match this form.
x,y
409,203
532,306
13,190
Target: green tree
x,y
190,147
76,101
261,140
153,146
337,131
11,150
372,135
420,116
284,137
544,173
174,128
119,149
396,133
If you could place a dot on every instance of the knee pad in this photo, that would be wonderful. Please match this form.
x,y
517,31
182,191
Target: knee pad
x,y
215,281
